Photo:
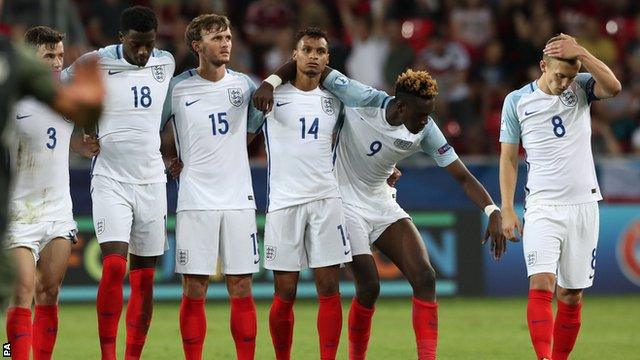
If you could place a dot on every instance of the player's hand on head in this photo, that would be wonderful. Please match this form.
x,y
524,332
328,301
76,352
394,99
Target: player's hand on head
x,y
263,97
494,231
395,176
566,48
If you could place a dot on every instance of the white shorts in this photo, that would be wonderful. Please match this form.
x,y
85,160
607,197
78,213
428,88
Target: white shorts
x,y
366,225
307,235
131,213
203,236
562,240
36,236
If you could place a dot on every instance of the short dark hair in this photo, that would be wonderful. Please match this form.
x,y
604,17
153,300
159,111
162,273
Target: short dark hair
x,y
138,18
205,22
545,57
43,35
312,32
417,83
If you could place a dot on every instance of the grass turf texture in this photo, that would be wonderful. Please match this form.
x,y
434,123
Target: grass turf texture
x,y
470,328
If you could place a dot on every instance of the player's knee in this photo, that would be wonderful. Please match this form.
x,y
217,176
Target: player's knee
x,y
327,286
424,281
368,291
542,281
23,294
569,296
47,294
239,286
195,287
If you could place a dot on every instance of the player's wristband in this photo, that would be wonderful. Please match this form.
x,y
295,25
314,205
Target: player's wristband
x,y
274,80
489,209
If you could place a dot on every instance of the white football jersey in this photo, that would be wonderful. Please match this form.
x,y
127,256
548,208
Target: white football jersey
x,y
556,135
210,121
299,135
39,160
129,127
368,147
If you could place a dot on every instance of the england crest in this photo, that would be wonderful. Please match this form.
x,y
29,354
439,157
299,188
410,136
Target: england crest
x,y
158,73
236,97
182,256
569,98
327,106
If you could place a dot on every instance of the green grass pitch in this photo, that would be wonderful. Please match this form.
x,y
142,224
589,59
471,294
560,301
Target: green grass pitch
x,y
470,328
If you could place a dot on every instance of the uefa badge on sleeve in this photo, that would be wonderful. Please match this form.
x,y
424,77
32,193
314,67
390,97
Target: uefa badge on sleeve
x,y
158,73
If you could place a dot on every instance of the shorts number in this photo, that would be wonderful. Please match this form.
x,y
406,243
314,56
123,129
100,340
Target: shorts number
x,y
254,241
222,121
52,136
145,96
558,127
313,130
375,147
593,259
344,240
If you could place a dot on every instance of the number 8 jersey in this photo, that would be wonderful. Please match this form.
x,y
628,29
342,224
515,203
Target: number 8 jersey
x,y
130,123
556,135
299,136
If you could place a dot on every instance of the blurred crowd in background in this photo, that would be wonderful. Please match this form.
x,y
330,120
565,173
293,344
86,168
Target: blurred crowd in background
x,y
477,50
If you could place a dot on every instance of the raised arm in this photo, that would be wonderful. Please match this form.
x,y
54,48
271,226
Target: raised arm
x,y
606,84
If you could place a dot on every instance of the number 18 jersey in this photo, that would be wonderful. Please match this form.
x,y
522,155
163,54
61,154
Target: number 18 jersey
x,y
299,136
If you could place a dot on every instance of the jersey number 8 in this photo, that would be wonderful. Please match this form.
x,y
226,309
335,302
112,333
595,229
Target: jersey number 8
x,y
558,127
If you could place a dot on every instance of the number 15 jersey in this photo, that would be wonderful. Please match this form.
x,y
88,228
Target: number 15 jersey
x,y
299,136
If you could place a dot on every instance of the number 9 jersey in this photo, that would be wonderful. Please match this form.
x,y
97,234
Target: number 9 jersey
x,y
556,135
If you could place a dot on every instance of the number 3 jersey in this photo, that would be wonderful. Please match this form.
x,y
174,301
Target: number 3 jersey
x,y
369,147
38,142
129,127
299,136
210,121
556,135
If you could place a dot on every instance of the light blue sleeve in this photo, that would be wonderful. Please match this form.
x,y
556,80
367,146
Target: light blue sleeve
x,y
587,82
167,108
509,124
255,118
435,145
353,93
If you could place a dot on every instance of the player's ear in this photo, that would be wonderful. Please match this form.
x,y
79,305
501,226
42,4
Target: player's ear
x,y
195,46
543,66
294,53
121,36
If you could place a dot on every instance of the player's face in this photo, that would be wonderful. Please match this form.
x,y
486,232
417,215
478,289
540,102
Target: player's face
x,y
215,46
311,55
415,112
137,46
53,56
558,75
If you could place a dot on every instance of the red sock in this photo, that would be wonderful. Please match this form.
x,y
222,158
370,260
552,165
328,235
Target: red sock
x,y
565,330
45,330
540,321
244,327
139,311
329,325
19,332
281,327
193,326
359,329
109,303
425,326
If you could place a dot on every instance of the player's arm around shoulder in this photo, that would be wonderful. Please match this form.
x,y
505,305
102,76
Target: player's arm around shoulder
x,y
606,84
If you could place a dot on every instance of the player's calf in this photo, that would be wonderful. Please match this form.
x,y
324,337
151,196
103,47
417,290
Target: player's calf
x,y
243,321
